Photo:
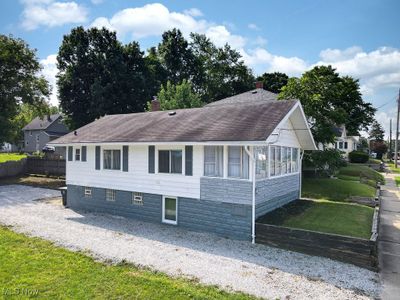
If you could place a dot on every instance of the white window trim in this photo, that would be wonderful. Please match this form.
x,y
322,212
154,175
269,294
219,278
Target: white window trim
x,y
166,221
242,152
158,149
114,195
102,159
137,201
88,192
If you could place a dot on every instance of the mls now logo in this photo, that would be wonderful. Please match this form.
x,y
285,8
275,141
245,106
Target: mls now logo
x,y
20,292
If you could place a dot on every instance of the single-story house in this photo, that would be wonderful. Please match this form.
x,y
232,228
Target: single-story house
x,y
215,169
343,142
41,131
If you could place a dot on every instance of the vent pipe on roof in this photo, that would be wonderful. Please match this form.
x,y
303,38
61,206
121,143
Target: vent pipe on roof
x,y
259,85
155,104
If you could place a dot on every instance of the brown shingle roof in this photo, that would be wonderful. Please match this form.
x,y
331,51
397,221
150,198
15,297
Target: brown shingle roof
x,y
250,97
252,122
39,124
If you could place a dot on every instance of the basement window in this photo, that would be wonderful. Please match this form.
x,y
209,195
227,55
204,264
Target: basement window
x,y
137,198
110,195
88,192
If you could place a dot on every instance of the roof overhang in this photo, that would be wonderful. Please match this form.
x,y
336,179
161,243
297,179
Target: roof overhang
x,y
300,127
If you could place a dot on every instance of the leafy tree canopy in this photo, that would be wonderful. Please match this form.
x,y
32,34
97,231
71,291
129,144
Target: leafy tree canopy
x,y
377,132
178,96
20,82
98,76
328,100
273,82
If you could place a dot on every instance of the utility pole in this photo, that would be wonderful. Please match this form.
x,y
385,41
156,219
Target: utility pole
x,y
397,132
390,140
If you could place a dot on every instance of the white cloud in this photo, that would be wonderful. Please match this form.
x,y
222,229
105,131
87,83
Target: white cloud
x,y
220,36
151,20
48,13
383,118
376,69
194,12
253,26
49,71
260,41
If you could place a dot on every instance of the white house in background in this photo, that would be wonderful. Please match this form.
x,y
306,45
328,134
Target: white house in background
x,y
343,142
215,168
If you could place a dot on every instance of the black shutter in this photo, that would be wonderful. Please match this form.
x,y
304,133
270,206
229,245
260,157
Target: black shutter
x,y
97,158
83,153
70,150
125,155
189,160
152,153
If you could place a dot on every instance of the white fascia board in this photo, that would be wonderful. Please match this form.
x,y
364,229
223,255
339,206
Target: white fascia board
x,y
234,143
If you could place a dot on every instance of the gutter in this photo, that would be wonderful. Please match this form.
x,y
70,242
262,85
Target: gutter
x,y
253,203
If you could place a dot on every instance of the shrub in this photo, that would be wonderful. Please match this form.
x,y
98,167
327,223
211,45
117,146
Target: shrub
x,y
358,157
327,162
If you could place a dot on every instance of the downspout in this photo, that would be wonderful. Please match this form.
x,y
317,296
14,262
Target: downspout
x,y
301,171
253,203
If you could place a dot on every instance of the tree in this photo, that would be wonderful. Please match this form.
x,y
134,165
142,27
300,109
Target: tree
x,y
220,72
273,82
379,147
329,100
99,76
176,56
177,96
377,132
20,82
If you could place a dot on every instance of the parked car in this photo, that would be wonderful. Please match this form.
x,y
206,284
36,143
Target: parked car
x,y
48,149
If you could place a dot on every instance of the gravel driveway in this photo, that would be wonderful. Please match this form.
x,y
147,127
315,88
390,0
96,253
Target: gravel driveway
x,y
233,265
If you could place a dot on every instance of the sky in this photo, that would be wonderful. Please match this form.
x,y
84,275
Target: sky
x,y
360,38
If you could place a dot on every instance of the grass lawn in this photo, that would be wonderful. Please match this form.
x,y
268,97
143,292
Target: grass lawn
x,y
33,264
358,170
11,156
325,216
392,168
39,181
335,189
397,179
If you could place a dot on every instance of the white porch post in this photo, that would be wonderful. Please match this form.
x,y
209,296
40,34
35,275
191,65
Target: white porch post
x,y
253,204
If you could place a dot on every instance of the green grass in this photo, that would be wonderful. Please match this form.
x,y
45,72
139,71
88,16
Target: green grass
x,y
397,179
357,170
350,178
335,189
33,264
392,168
324,216
374,161
11,156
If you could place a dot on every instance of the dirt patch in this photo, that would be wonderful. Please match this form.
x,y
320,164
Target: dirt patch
x,y
37,181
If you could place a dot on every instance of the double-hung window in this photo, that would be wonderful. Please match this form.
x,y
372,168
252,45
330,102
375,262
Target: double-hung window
x,y
238,162
112,159
295,164
77,154
213,161
170,161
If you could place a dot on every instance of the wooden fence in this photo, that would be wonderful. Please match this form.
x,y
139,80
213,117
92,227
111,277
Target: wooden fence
x,y
12,168
357,251
46,166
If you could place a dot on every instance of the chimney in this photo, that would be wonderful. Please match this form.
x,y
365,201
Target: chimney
x,y
259,84
155,104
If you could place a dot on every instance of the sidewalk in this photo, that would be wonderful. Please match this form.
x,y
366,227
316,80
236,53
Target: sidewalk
x,y
389,239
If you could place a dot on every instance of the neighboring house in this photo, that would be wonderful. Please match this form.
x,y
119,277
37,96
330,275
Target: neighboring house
x,y
214,169
343,142
7,147
41,131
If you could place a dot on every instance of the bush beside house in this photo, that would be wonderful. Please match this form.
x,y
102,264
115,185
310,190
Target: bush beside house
x,y
358,157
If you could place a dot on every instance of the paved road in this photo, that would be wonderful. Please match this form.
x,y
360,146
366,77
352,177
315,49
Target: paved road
x,y
389,239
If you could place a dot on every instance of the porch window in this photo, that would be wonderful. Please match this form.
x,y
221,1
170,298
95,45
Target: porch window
x,y
295,160
112,159
261,154
275,167
284,163
345,145
238,162
213,161
170,161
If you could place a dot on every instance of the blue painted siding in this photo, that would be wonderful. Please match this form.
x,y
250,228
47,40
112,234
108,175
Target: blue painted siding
x,y
224,219
276,192
226,190
150,210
